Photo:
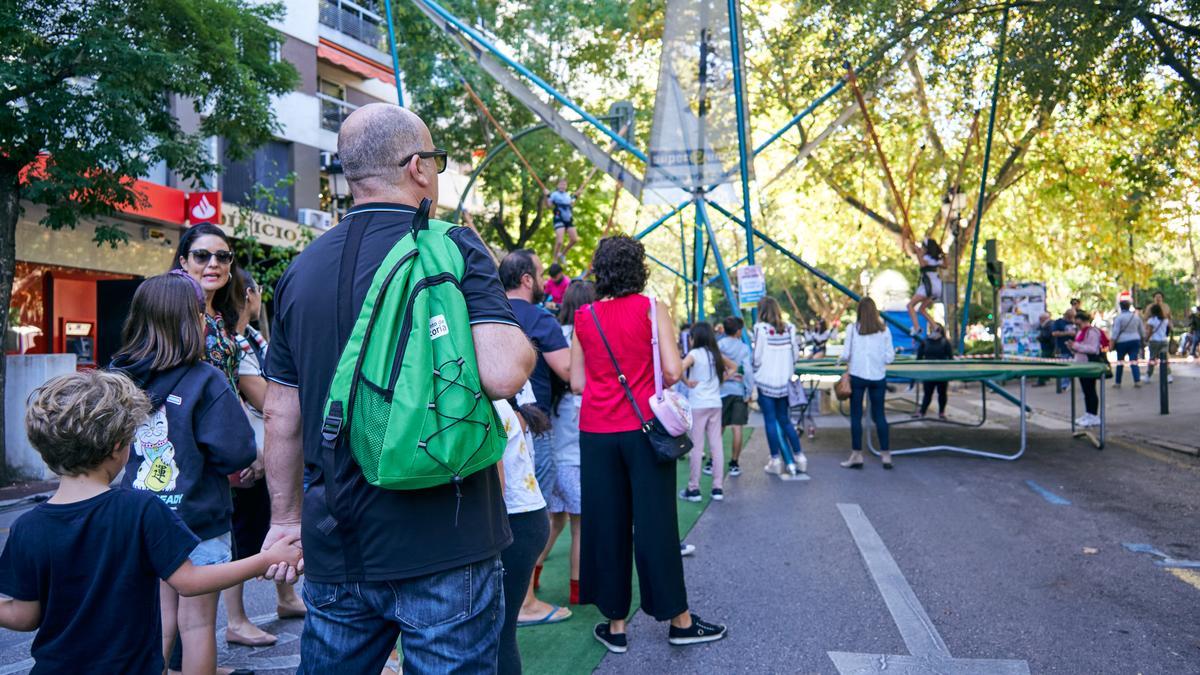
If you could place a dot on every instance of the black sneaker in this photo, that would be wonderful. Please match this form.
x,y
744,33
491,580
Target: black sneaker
x,y
700,631
708,467
613,642
690,495
718,495
734,469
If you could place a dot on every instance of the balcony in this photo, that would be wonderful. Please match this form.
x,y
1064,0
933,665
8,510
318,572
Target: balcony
x,y
334,111
356,21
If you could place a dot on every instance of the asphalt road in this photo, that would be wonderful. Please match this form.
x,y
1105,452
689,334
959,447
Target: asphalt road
x,y
997,569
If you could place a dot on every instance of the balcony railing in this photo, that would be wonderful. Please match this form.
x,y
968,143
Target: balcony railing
x,y
355,20
334,111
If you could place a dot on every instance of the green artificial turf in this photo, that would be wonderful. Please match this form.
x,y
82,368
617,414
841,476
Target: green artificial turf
x,y
569,647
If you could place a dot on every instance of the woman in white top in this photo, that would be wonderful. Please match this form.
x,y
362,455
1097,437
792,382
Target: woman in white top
x,y
868,351
703,371
1158,336
929,290
776,351
1127,334
530,528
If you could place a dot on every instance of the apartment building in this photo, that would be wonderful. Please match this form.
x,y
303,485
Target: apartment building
x,y
71,296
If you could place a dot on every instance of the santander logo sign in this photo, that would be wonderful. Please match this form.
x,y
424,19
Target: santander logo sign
x,y
204,207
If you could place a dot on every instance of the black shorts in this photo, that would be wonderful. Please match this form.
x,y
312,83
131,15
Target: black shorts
x,y
734,411
560,224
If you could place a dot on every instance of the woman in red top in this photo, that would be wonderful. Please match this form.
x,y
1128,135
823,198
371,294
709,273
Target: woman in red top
x,y
621,480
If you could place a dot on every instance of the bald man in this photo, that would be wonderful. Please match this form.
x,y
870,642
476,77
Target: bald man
x,y
419,563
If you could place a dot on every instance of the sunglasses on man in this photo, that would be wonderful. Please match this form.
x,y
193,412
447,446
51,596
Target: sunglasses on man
x,y
201,256
438,157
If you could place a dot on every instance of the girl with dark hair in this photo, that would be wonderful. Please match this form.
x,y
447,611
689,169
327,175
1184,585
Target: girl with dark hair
x,y
630,493
868,351
930,289
204,252
1158,337
704,370
564,497
196,436
776,350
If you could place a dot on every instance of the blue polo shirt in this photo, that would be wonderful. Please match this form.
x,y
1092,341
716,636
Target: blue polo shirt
x,y
543,331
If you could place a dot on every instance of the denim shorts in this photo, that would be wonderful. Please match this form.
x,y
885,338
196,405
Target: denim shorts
x,y
213,551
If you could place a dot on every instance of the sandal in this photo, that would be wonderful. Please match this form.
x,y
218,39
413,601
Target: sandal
x,y
551,617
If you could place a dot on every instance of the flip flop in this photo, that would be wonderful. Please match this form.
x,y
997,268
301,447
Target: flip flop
x,y
546,620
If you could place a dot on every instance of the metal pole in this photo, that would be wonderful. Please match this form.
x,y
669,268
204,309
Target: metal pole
x,y
387,8
1164,402
478,38
655,225
744,157
670,269
987,158
698,262
722,272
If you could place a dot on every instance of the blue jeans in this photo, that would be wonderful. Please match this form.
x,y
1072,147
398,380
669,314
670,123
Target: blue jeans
x,y
1131,349
450,622
875,390
544,468
778,423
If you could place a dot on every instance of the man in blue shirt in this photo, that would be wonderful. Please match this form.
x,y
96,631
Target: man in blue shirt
x,y
521,275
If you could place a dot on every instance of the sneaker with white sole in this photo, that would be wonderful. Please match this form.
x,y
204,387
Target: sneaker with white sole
x,y
690,495
775,466
699,632
708,467
734,469
686,549
802,463
718,495
613,642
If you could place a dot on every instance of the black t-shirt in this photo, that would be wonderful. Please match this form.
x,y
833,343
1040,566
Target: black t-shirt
x,y
94,566
396,534
545,333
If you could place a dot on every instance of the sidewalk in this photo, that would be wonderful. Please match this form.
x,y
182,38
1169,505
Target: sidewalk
x,y
1133,413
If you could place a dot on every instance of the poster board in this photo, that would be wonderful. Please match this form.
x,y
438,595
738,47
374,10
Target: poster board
x,y
752,286
1021,303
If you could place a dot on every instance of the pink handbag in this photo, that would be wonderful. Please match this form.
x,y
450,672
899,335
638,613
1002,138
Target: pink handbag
x,y
671,408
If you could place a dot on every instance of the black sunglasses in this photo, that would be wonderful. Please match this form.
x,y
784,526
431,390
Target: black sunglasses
x,y
438,156
202,256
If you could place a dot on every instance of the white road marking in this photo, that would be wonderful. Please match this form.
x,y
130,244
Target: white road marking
x,y
927,651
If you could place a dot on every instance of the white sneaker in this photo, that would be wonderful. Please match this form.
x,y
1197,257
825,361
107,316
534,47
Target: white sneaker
x,y
1090,421
775,466
802,463
1082,420
1170,379
686,549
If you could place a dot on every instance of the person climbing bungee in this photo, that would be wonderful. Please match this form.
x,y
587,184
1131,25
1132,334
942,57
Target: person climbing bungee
x,y
563,203
930,288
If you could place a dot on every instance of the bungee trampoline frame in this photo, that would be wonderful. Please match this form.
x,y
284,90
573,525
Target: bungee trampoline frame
x,y
908,370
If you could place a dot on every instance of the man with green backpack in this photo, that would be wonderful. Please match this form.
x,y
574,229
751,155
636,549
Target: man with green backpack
x,y
392,335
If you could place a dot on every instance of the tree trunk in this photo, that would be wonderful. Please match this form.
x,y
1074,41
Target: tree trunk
x,y
10,210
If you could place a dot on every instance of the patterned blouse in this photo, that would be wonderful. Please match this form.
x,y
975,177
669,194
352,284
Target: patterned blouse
x,y
220,349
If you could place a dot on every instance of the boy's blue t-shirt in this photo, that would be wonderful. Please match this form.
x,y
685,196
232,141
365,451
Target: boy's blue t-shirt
x,y
94,565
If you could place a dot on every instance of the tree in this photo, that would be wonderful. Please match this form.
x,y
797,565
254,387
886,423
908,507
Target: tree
x,y
87,97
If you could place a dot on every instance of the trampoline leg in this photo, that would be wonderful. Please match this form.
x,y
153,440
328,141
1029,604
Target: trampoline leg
x,y
1024,417
1102,413
1072,406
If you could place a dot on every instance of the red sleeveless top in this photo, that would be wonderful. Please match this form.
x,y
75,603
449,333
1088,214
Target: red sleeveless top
x,y
626,323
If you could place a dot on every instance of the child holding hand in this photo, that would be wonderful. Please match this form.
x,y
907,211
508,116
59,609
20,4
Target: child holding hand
x,y
83,568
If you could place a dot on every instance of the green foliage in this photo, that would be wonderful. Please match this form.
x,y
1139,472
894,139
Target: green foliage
x,y
97,86
266,263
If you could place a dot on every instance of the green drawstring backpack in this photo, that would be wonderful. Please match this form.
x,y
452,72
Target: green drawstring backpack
x,y
406,396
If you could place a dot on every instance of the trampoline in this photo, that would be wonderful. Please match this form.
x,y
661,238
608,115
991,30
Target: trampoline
x,y
983,371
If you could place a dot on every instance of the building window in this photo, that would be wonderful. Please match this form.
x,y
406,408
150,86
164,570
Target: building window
x,y
360,20
275,51
334,108
261,181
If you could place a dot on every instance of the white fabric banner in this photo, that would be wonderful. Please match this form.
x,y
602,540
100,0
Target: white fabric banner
x,y
694,137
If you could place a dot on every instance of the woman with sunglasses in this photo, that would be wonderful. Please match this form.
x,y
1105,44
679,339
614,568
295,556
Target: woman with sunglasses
x,y
205,254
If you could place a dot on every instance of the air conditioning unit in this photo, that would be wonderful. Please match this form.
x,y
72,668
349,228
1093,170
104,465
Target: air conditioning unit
x,y
315,218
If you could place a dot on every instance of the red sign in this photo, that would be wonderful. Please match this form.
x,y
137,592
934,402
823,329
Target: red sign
x,y
204,207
